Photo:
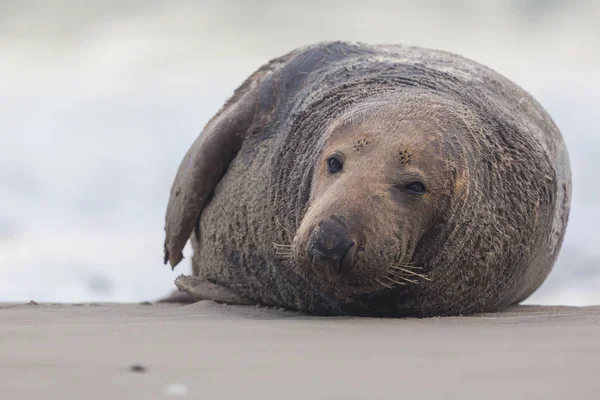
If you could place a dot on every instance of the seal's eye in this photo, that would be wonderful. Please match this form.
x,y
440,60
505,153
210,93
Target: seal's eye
x,y
334,163
416,187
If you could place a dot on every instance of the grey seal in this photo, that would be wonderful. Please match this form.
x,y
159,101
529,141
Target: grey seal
x,y
375,180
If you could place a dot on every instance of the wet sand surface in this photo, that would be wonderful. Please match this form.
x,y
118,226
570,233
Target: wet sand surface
x,y
212,351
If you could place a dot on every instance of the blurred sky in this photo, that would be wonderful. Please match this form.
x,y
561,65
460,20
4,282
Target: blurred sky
x,y
99,100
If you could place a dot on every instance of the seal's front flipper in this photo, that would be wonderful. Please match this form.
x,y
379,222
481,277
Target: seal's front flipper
x,y
252,107
200,289
207,160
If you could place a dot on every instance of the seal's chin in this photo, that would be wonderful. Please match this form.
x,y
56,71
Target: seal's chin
x,y
345,286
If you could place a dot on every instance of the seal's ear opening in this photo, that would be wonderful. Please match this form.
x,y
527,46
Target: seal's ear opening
x,y
203,166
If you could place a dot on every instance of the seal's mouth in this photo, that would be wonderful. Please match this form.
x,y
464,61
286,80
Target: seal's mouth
x,y
354,272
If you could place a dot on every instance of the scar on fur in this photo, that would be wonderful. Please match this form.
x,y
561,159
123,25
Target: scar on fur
x,y
360,144
405,156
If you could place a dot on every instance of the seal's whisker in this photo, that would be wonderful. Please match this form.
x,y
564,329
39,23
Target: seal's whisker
x,y
403,272
376,283
283,250
408,271
408,266
394,281
383,284
403,277
284,228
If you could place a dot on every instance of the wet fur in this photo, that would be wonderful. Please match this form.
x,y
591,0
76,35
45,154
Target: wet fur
x,y
492,240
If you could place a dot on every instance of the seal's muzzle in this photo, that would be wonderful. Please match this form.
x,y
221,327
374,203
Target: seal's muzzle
x,y
331,248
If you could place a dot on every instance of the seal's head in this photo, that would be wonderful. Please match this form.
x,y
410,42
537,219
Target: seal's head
x,y
384,180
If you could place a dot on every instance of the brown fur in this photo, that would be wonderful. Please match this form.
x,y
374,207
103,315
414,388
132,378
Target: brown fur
x,y
484,235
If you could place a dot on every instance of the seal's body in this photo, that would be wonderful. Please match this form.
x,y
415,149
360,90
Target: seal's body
x,y
372,180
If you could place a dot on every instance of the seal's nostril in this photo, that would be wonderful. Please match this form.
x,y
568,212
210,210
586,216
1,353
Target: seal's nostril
x,y
346,251
349,259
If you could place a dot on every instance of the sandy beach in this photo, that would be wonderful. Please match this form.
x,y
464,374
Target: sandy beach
x,y
212,351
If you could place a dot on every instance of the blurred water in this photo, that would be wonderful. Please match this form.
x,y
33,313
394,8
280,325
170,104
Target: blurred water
x,y
100,100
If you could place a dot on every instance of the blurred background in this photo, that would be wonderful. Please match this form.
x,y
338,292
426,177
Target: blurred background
x,y
99,101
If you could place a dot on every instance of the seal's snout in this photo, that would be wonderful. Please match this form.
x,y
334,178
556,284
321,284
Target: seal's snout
x,y
330,248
